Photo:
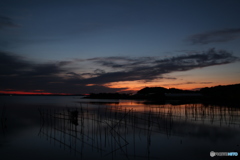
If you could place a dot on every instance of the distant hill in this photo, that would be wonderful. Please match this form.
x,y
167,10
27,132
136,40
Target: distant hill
x,y
234,88
155,90
227,92
217,93
161,90
162,94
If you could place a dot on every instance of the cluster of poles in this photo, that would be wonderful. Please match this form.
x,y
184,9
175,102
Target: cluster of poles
x,y
110,131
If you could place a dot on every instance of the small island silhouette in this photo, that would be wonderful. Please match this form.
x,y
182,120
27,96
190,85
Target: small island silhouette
x,y
219,93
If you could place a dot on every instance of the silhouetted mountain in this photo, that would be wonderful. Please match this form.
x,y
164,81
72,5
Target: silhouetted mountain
x,y
227,92
152,90
162,94
161,90
234,88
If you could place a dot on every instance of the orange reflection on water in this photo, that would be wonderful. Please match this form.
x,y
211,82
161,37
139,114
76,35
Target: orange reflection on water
x,y
180,110
197,113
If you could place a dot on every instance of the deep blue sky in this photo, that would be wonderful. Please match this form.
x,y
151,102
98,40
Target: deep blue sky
x,y
93,46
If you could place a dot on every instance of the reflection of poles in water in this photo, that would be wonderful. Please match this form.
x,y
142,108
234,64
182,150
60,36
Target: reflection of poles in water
x,y
66,132
73,117
149,135
3,119
106,130
53,126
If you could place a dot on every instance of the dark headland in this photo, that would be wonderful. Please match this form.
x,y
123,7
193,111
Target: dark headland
x,y
221,93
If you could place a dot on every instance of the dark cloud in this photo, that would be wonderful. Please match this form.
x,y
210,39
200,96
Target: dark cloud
x,y
123,62
63,63
6,22
99,71
18,74
44,70
11,64
158,67
16,65
215,36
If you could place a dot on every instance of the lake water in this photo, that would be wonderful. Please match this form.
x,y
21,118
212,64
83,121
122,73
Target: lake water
x,y
68,127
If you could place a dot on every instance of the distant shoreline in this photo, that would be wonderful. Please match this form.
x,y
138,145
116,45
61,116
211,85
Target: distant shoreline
x,y
227,93
41,95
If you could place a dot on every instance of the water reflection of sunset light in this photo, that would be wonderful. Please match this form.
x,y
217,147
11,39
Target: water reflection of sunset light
x,y
197,113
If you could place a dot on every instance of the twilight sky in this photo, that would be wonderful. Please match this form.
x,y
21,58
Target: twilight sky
x,y
84,46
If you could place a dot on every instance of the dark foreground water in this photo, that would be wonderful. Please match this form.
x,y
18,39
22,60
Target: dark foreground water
x,y
65,127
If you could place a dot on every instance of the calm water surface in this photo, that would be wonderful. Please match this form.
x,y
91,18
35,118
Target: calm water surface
x,y
67,127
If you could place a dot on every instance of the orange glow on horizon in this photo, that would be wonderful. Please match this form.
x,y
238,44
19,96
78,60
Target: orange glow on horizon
x,y
134,86
130,87
194,84
90,84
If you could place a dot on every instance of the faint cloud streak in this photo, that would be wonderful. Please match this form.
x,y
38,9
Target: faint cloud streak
x,y
215,36
6,22
56,77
